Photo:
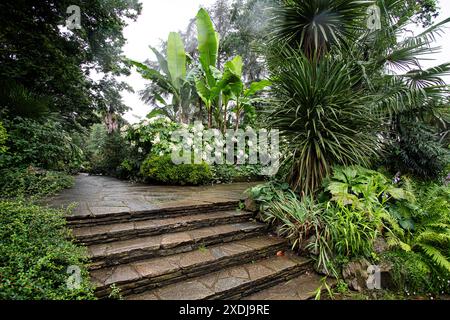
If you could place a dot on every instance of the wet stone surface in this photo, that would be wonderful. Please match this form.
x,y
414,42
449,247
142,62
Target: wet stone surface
x,y
232,281
99,195
167,242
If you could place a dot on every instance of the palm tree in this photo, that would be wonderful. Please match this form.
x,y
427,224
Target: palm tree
x,y
336,97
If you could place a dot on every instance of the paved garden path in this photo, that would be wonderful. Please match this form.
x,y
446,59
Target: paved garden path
x,y
162,242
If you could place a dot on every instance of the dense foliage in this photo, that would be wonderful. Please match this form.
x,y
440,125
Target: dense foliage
x,y
161,169
32,182
35,252
41,143
376,74
47,65
356,208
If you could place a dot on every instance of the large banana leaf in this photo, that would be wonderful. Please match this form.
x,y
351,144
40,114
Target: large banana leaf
x,y
203,92
208,43
176,59
256,87
155,76
162,61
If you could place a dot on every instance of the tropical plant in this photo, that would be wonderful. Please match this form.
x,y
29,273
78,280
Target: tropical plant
x,y
315,26
171,80
233,88
382,72
320,108
208,47
429,228
217,88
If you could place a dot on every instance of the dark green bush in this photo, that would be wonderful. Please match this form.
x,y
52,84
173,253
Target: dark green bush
x,y
235,173
32,182
35,252
163,170
105,151
43,144
3,138
417,151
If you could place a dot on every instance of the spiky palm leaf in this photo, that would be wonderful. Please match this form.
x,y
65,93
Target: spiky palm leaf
x,y
326,118
316,25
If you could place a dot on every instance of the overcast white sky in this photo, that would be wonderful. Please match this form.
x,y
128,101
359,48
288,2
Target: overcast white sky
x,y
159,17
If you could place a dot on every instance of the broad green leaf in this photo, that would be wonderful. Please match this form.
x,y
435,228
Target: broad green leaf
x,y
256,86
208,44
176,59
235,66
217,74
162,61
203,92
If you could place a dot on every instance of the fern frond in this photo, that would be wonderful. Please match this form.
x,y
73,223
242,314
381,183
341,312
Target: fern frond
x,y
435,255
431,236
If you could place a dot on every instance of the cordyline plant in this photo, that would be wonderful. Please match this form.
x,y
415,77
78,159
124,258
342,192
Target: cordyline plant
x,y
341,90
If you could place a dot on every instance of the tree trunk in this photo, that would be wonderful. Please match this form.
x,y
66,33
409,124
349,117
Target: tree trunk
x,y
224,127
209,118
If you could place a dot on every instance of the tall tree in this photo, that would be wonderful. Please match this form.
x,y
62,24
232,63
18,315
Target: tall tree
x,y
41,55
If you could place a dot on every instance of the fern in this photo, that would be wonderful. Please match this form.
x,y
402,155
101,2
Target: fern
x,y
435,255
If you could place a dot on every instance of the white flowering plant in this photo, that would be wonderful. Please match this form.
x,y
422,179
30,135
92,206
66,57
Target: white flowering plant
x,y
151,135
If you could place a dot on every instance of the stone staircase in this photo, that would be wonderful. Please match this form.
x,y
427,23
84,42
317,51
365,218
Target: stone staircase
x,y
195,252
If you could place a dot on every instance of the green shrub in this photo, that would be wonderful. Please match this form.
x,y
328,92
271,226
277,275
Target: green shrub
x,y
235,173
412,273
3,138
32,182
35,252
152,135
105,151
41,144
163,170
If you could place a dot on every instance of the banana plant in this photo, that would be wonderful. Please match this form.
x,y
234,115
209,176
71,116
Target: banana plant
x,y
171,79
208,48
217,88
245,98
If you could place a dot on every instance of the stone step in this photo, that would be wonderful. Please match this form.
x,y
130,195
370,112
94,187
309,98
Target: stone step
x,y
121,252
147,274
233,282
303,287
129,230
107,215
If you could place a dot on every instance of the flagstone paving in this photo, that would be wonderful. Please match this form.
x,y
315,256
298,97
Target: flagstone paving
x,y
164,242
100,195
